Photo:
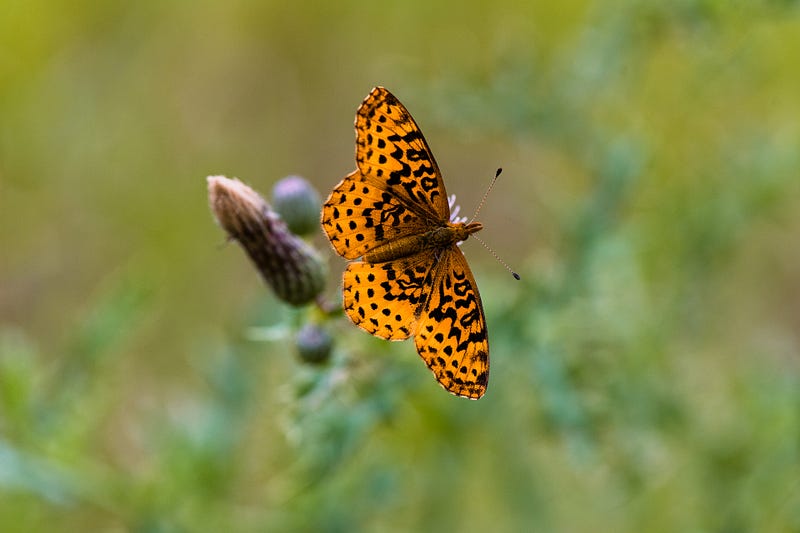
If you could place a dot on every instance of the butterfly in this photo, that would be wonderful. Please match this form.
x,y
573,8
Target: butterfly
x,y
412,279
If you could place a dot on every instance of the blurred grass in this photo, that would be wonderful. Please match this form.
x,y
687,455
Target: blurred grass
x,y
644,372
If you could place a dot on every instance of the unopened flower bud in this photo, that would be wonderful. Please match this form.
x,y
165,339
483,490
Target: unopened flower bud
x,y
314,344
291,267
298,203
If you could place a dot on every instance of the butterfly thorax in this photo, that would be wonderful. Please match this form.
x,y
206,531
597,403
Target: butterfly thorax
x,y
439,237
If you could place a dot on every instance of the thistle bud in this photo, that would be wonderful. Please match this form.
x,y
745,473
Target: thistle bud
x,y
291,267
313,344
298,203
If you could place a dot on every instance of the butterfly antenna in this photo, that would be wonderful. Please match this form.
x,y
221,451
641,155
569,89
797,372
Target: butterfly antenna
x,y
496,175
516,276
494,254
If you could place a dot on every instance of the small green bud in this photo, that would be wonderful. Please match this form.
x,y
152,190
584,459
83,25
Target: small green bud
x,y
314,344
290,266
298,203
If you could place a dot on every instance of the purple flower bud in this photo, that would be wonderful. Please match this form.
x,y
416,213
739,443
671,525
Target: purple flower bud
x,y
314,344
298,203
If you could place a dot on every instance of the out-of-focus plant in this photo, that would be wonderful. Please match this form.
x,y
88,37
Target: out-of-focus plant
x,y
328,399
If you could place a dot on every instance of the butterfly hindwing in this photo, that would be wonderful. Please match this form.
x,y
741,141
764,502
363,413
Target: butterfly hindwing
x,y
385,299
451,332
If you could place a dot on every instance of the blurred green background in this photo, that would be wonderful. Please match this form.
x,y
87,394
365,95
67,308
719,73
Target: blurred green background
x,y
645,371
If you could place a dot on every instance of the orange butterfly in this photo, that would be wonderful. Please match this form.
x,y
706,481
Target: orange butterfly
x,y
412,279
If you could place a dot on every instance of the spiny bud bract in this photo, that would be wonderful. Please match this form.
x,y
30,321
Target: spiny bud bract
x,y
290,266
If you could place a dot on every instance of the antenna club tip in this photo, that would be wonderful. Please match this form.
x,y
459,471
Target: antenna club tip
x,y
516,276
499,171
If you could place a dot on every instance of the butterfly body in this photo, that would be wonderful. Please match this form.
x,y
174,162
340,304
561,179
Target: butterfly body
x,y
412,279
440,237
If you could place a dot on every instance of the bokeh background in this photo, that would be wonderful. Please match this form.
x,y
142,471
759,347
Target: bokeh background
x,y
645,371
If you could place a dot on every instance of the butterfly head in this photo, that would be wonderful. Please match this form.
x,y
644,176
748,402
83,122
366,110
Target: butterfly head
x,y
462,230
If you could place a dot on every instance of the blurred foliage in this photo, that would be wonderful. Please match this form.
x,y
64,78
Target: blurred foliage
x,y
644,372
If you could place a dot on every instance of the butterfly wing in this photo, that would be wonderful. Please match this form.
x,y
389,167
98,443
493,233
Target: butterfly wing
x,y
392,153
451,331
397,189
386,299
359,215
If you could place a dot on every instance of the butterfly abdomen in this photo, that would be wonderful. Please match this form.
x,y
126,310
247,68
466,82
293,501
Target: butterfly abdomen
x,y
440,237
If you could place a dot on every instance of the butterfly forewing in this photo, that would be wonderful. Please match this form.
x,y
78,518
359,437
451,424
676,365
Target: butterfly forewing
x,y
391,151
360,215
